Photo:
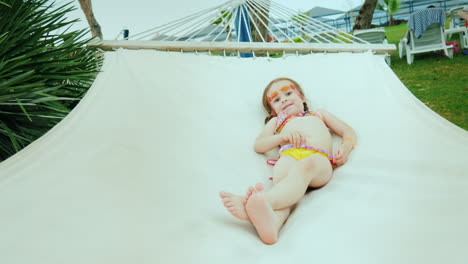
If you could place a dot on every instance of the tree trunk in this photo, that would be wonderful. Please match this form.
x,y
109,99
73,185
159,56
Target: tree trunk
x,y
93,24
364,19
259,18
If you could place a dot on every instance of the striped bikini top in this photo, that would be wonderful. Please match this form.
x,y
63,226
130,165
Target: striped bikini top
x,y
283,118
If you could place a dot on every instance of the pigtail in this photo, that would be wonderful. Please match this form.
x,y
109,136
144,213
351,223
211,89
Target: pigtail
x,y
306,108
268,118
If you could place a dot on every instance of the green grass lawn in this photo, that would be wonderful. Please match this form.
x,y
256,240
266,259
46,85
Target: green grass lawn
x,y
439,82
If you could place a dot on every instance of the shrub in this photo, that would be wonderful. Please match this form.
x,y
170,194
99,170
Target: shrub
x,y
44,70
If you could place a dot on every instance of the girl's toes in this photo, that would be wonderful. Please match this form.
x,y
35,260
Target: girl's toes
x,y
248,194
259,187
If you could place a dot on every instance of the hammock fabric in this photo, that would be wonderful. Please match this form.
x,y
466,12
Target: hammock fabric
x,y
133,173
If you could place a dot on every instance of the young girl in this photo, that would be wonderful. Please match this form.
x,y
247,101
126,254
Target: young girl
x,y
305,157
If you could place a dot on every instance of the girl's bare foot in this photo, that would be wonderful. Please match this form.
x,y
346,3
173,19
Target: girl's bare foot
x,y
262,216
235,205
258,188
248,194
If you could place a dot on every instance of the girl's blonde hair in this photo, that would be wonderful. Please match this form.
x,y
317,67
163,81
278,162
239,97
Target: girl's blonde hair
x,y
266,103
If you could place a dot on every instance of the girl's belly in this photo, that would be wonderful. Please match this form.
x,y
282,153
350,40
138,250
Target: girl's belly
x,y
316,133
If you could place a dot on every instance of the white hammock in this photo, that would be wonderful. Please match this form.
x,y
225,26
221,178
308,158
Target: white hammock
x,y
132,174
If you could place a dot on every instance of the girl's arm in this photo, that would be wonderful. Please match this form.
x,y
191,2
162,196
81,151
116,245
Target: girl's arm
x,y
267,140
345,132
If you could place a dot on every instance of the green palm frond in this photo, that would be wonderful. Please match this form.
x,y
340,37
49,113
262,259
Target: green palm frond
x,y
44,70
391,6
301,18
224,17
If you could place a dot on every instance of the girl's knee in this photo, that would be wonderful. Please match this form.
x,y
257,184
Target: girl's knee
x,y
282,168
310,163
318,170
321,178
308,168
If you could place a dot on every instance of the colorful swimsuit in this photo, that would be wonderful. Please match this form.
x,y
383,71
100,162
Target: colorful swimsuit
x,y
284,118
303,151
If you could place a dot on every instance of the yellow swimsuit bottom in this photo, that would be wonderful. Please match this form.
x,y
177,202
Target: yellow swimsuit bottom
x,y
303,152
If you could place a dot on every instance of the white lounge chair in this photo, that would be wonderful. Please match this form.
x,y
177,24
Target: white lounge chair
x,y
425,34
454,19
375,36
462,32
457,25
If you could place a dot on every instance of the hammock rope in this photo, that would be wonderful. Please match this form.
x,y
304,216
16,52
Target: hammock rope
x,y
230,27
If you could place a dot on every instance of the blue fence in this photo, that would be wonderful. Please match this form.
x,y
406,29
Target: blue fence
x,y
346,21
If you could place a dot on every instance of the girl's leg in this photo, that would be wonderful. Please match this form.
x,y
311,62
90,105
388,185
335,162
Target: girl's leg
x,y
267,221
313,171
269,210
235,204
280,171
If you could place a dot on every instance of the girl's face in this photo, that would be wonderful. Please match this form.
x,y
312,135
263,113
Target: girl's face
x,y
284,97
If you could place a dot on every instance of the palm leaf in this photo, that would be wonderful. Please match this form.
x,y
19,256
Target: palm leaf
x,y
42,74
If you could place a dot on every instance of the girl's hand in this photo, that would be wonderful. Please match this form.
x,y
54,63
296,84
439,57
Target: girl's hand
x,y
341,156
295,138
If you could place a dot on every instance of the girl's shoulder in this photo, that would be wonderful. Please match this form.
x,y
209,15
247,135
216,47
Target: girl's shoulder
x,y
272,122
320,113
269,128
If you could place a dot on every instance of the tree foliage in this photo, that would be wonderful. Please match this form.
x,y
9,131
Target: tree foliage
x,y
44,70
391,7
301,18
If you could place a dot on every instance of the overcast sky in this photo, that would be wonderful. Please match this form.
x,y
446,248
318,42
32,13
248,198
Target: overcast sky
x,y
141,15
